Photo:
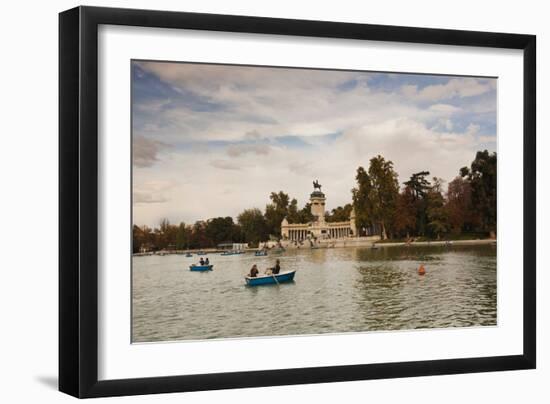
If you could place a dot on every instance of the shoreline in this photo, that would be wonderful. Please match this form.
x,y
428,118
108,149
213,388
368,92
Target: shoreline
x,y
438,243
346,243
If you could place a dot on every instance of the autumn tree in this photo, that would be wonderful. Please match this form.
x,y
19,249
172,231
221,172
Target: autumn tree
x,y
459,206
404,220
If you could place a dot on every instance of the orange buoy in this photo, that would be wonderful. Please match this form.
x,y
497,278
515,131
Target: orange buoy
x,y
421,270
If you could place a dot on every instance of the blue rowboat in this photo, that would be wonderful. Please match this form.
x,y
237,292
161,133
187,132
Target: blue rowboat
x,y
260,253
270,279
201,267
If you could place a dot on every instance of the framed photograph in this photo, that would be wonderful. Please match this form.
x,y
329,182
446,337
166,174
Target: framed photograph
x,y
250,201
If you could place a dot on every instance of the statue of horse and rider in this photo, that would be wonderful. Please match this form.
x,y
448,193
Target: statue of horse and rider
x,y
316,185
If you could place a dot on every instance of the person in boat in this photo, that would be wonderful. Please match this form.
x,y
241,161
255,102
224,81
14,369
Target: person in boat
x,y
276,269
206,261
253,271
201,261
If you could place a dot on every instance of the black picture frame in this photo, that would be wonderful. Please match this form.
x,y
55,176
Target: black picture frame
x,y
78,201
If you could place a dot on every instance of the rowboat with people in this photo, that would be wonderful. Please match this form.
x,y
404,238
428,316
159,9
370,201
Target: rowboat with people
x,y
270,279
201,268
260,253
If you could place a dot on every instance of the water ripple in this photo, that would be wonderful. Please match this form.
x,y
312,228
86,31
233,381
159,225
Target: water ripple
x,y
336,290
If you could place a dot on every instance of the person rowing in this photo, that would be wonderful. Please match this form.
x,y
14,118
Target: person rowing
x,y
275,270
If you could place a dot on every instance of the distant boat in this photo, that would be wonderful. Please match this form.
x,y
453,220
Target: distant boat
x,y
232,252
270,279
201,253
261,253
188,255
201,267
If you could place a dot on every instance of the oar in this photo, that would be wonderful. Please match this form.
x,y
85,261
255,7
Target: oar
x,y
273,276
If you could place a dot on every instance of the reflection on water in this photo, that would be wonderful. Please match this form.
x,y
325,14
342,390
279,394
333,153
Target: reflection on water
x,y
335,290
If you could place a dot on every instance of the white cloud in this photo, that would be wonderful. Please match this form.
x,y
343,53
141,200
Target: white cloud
x,y
240,149
457,87
220,187
261,105
225,165
445,109
486,139
145,151
151,191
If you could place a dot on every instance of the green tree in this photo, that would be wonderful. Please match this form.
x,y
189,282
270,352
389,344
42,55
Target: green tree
x,y
305,215
222,229
375,196
292,212
420,186
253,225
361,199
296,215
165,235
276,211
436,213
182,237
339,214
138,239
482,176
198,238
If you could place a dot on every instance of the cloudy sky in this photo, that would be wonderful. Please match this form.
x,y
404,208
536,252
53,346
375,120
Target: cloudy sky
x,y
212,140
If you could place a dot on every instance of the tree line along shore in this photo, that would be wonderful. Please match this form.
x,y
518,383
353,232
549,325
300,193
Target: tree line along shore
x,y
419,209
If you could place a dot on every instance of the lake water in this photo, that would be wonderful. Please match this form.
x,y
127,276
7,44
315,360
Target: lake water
x,y
335,290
